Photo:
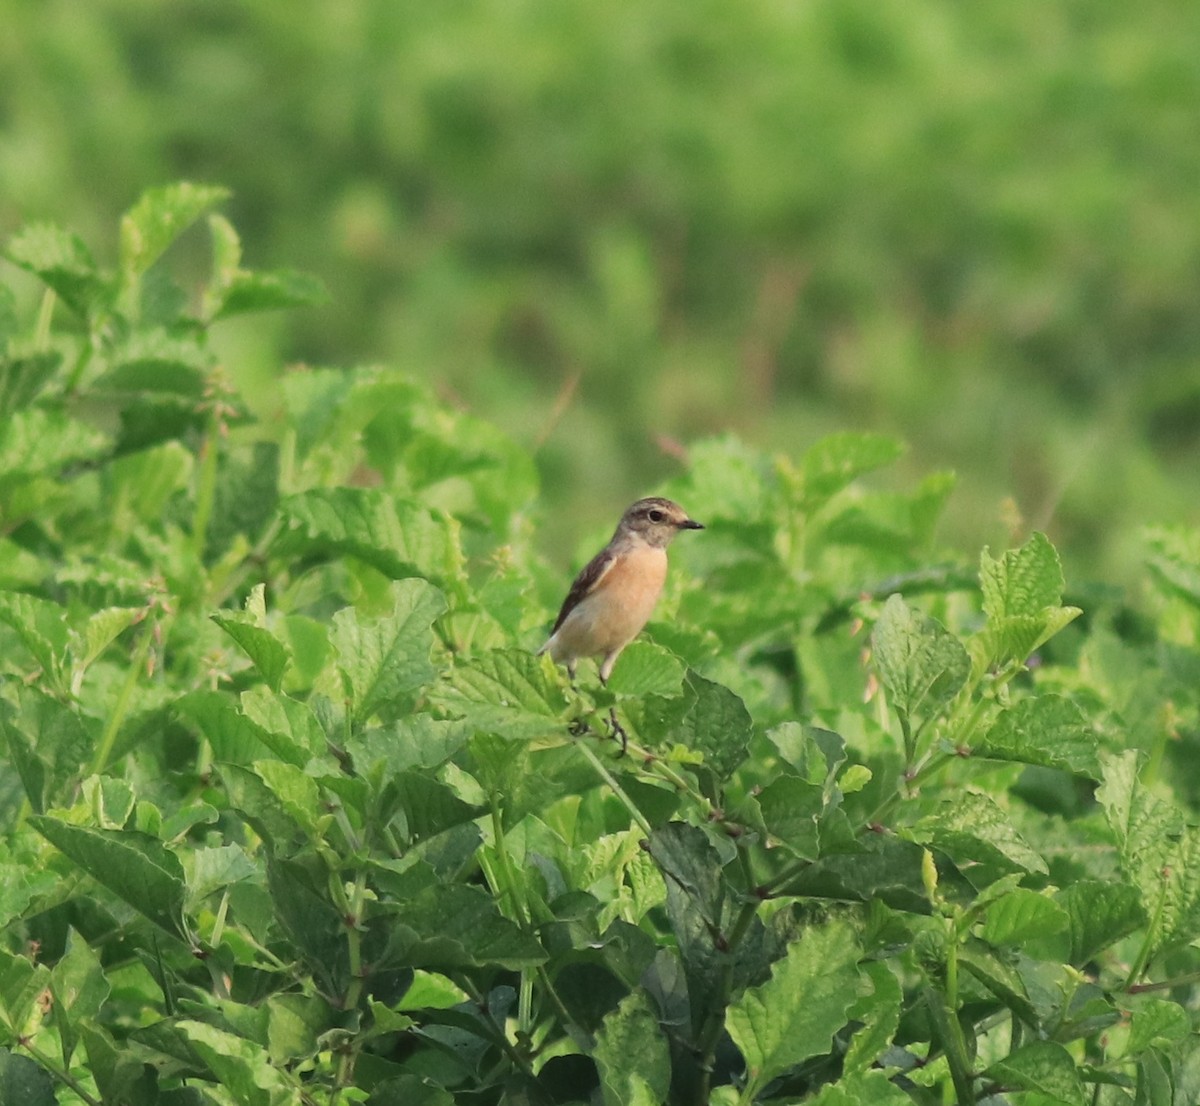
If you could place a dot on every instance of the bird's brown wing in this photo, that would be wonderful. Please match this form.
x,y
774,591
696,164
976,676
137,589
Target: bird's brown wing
x,y
585,583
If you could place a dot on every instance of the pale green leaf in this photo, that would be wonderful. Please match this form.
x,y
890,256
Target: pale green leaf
x,y
385,659
632,1047
1021,916
922,665
158,218
1046,730
972,827
1045,1068
644,668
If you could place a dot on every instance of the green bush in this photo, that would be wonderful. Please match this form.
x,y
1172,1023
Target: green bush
x,y
294,815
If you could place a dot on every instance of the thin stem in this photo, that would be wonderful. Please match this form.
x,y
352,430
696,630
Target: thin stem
x,y
41,332
60,1073
206,485
121,707
617,790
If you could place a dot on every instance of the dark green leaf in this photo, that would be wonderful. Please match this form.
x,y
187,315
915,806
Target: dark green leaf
x,y
270,655
254,291
1099,914
973,828
23,1082
717,724
134,866
50,746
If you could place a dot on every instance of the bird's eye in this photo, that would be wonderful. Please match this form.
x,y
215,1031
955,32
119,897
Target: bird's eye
x,y
656,515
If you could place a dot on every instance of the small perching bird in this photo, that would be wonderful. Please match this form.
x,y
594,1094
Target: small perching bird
x,y
614,596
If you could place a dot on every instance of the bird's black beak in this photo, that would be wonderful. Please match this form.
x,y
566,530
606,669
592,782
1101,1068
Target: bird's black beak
x,y
691,524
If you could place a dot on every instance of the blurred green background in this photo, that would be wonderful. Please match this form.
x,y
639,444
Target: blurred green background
x,y
612,227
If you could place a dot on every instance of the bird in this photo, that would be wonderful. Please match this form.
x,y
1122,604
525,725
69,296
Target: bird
x,y
615,594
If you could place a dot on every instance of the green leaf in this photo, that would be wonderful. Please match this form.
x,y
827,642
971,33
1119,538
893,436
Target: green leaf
x,y
134,866
717,724
49,745
632,1053
1046,730
155,362
795,1014
1021,916
446,927
214,869
80,989
1157,1024
102,629
409,1090
871,1088
386,659
295,1025
922,665
23,377
159,217
260,807
61,261
1045,1068
644,668
240,1065
418,741
1099,914
880,1014
395,536
305,912
42,628
427,806
1022,593
972,828
258,291
836,461
508,691
235,738
248,628
23,1082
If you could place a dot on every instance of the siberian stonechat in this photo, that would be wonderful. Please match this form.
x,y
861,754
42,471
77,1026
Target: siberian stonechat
x,y
614,596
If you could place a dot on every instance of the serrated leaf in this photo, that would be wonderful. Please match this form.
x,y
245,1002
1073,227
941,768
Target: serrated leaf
x,y
870,1088
632,1046
795,1014
261,808
240,1065
1021,916
42,440
248,629
427,806
159,217
1022,581
644,668
80,989
395,536
156,362
1045,1068
837,460
133,866
446,927
305,912
1046,730
102,629
716,724
1099,914
507,691
268,291
922,665
42,628
235,738
971,827
213,869
49,745
382,660
1022,593
295,1024
61,261
880,1014
1157,1024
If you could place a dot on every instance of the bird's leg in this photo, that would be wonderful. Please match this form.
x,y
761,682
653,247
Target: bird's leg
x,y
618,731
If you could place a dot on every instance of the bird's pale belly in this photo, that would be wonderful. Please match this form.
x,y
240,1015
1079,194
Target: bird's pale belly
x,y
614,614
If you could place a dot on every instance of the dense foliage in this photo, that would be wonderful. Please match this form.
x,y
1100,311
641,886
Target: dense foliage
x,y
973,226
293,815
